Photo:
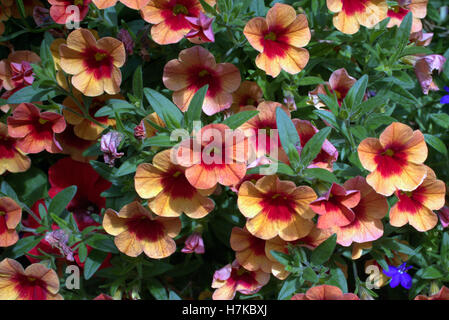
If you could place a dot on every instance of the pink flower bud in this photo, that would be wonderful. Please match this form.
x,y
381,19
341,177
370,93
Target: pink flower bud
x,y
139,131
424,68
194,243
22,74
201,29
109,144
443,213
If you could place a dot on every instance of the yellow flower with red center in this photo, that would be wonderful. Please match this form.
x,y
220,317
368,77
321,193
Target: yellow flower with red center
x,y
137,230
168,189
280,38
196,67
233,277
249,250
395,160
335,207
415,207
85,128
35,130
325,292
154,118
169,18
133,4
367,224
248,94
93,64
36,282
350,14
12,159
397,13
216,154
276,208
10,216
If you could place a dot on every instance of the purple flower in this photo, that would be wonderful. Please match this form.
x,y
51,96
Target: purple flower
x,y
109,144
194,243
399,275
443,213
445,99
58,239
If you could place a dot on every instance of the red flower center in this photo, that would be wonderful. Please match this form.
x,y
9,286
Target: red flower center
x,y
274,43
145,229
30,288
351,7
391,161
98,62
200,76
277,206
176,184
180,9
7,147
397,12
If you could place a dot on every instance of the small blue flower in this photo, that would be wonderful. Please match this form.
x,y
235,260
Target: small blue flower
x,y
445,99
399,275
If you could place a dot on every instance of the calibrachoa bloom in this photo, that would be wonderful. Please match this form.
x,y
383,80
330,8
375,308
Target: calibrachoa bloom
x,y
87,200
395,160
397,13
216,154
248,94
335,207
276,207
415,207
340,82
233,278
201,29
16,71
169,18
249,250
36,282
137,230
350,14
443,294
73,145
325,292
168,189
328,154
61,12
194,243
196,67
399,275
134,4
83,127
93,64
10,216
443,214
35,130
424,67
12,159
368,213
280,38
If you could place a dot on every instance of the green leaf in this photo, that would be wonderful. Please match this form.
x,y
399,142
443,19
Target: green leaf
x,y
441,119
173,296
320,174
22,246
310,275
160,141
102,242
82,252
61,200
31,185
289,137
307,81
157,290
328,117
30,94
193,113
115,106
288,288
324,251
104,170
93,262
436,143
236,120
331,102
431,273
138,83
164,108
281,168
313,147
444,251
338,279
402,37
283,258
355,95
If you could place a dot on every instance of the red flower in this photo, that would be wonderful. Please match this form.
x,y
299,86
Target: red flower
x,y
67,172
60,13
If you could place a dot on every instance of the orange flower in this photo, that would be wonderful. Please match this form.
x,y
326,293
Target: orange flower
x,y
395,160
415,207
368,213
443,294
10,216
136,229
340,82
350,14
12,159
417,7
170,192
325,292
93,64
334,207
249,250
36,282
154,118
84,128
262,141
215,155
248,94
274,207
74,146
232,278
279,38
133,4
196,67
169,18
34,129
